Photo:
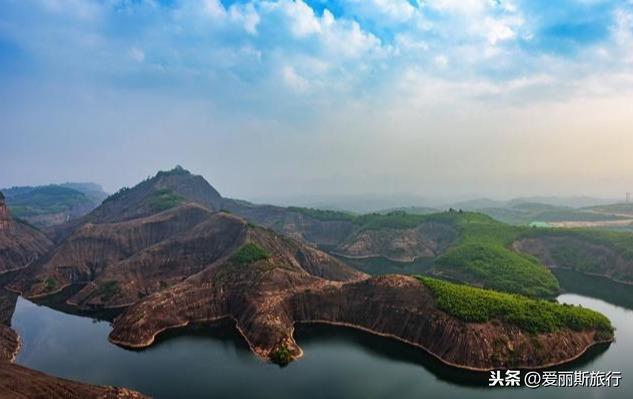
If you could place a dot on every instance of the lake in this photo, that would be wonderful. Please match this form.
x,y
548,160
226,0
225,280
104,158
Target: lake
x,y
213,361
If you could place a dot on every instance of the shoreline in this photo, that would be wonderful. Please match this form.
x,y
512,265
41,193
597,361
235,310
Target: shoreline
x,y
149,342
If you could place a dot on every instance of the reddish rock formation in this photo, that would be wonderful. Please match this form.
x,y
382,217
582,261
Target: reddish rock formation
x,y
20,382
9,340
144,199
5,219
267,298
189,264
119,263
20,244
326,233
428,240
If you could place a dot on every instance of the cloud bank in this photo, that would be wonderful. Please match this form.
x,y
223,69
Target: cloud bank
x,y
434,97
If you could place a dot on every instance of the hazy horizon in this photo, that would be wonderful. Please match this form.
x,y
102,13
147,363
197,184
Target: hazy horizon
x,y
380,201
284,99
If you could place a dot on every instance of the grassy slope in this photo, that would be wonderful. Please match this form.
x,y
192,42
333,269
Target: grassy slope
x,y
163,199
531,315
481,255
45,200
249,253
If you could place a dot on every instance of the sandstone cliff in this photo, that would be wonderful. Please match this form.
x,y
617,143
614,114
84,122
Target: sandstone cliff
x,y
121,262
428,240
20,382
20,244
266,300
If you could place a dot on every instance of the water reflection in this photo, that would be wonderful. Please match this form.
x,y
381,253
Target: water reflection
x,y
594,286
214,361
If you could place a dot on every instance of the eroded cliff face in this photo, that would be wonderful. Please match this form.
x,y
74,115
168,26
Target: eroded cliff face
x,y
20,244
324,233
5,219
266,299
344,238
119,263
252,294
20,382
9,340
428,240
177,185
403,308
582,255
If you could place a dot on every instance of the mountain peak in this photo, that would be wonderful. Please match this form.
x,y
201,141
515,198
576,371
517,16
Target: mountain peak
x,y
166,189
176,171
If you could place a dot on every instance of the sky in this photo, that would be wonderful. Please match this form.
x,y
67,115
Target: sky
x,y
279,98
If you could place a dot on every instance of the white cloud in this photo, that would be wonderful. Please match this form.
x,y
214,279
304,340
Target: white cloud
x,y
214,8
622,31
137,54
303,22
498,30
246,15
334,37
347,38
293,80
441,61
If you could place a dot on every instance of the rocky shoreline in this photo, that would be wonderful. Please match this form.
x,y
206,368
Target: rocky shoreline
x,y
397,307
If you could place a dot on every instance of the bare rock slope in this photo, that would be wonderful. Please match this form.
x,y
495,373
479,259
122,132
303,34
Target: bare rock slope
x,y
267,299
20,244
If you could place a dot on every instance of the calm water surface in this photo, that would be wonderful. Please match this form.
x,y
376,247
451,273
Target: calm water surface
x,y
215,362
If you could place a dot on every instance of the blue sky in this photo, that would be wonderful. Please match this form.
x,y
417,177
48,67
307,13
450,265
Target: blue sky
x,y
274,98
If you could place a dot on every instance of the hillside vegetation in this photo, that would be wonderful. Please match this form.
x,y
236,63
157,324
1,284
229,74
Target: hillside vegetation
x,y
482,256
249,253
323,214
534,316
163,199
49,205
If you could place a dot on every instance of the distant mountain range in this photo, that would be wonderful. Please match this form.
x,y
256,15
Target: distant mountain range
x,y
369,203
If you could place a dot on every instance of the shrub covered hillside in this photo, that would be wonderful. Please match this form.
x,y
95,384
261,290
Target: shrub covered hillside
x,y
45,206
483,256
163,199
249,253
531,315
